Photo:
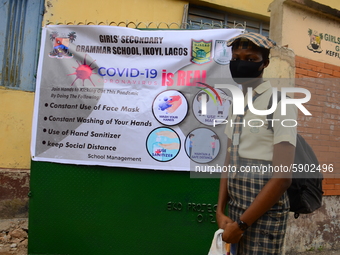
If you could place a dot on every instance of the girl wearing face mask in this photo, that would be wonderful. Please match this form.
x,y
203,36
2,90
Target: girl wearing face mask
x,y
257,201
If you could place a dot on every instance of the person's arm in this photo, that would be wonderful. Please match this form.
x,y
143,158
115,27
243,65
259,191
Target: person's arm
x,y
221,218
283,154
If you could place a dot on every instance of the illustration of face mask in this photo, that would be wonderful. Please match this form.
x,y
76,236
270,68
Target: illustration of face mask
x,y
242,71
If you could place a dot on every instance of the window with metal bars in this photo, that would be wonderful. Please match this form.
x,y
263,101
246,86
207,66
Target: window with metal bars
x,y
207,18
20,26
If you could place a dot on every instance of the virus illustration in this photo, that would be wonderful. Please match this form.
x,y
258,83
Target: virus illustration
x,y
83,72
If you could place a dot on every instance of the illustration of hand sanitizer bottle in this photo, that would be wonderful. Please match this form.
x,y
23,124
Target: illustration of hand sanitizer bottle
x,y
157,149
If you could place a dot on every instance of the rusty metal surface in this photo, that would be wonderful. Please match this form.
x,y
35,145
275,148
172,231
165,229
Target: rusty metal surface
x,y
20,25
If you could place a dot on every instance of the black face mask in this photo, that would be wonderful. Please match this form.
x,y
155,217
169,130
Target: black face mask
x,y
243,71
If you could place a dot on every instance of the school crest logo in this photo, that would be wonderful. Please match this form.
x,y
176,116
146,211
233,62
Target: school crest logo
x,y
222,52
314,41
61,45
201,52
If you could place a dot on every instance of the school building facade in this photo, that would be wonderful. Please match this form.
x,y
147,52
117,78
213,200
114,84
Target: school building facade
x,y
308,57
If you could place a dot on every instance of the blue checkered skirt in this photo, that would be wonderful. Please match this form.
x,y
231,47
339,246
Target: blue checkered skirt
x,y
266,235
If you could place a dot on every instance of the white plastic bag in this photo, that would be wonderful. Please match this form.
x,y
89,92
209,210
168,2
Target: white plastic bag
x,y
218,246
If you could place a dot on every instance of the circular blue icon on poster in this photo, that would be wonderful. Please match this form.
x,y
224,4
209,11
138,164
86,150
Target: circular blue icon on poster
x,y
163,144
170,107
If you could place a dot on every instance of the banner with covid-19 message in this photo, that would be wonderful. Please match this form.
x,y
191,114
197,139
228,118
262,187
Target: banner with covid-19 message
x,y
124,97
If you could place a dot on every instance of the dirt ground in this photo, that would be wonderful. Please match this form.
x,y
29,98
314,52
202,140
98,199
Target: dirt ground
x,y
326,252
13,236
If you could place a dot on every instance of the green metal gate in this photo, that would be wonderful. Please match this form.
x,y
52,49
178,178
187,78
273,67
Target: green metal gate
x,y
101,210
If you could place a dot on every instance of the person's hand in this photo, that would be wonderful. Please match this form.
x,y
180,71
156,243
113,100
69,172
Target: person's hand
x,y
222,220
232,233
176,102
168,134
170,146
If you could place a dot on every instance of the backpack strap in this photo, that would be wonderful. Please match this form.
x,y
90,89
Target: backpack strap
x,y
270,116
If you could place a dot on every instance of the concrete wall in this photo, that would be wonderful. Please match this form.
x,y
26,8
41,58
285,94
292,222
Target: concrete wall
x,y
317,34
15,125
281,70
14,188
15,136
317,231
105,12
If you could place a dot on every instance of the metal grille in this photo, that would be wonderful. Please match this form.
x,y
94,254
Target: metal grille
x,y
161,25
207,18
